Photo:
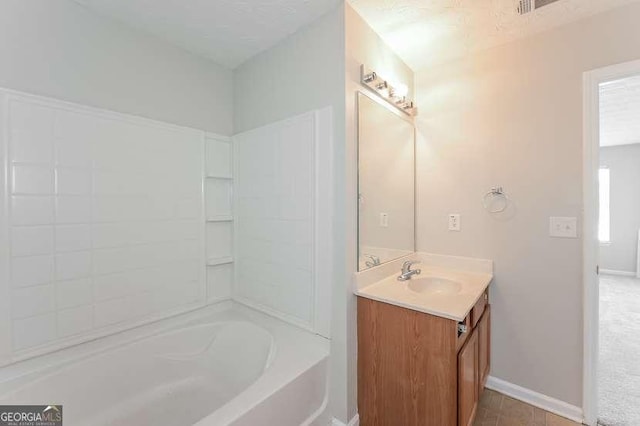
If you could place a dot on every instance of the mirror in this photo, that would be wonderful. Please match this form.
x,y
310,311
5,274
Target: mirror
x,y
386,180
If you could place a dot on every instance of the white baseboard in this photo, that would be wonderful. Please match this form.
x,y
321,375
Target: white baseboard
x,y
536,399
615,272
355,421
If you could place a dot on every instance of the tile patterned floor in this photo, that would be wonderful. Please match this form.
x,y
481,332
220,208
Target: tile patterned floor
x,y
496,409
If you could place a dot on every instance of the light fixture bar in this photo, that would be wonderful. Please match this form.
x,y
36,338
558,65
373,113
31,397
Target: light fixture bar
x,y
393,95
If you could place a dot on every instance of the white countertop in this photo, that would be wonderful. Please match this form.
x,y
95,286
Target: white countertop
x,y
472,275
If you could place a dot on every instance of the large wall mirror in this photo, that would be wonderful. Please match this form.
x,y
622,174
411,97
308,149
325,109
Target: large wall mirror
x,y
386,179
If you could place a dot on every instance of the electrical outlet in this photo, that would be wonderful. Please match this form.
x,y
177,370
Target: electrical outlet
x,y
563,227
384,220
454,222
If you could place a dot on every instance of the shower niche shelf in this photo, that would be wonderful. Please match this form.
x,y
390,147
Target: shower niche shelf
x,y
219,261
218,192
227,218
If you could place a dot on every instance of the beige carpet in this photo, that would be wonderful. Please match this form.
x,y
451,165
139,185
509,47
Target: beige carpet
x,y
619,364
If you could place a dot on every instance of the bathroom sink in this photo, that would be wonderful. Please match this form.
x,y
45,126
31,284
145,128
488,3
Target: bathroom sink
x,y
434,285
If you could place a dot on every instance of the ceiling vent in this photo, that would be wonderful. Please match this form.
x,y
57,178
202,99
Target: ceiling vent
x,y
526,6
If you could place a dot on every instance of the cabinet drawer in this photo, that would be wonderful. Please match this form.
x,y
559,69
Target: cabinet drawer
x,y
478,309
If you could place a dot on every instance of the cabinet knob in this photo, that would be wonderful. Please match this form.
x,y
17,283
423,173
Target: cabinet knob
x,y
462,328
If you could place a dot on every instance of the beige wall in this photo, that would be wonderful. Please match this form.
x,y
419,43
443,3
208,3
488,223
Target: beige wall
x,y
61,50
363,46
512,116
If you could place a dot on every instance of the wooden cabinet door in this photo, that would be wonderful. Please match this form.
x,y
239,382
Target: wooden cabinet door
x,y
468,381
484,348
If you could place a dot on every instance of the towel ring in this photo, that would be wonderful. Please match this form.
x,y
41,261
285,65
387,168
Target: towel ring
x,y
495,192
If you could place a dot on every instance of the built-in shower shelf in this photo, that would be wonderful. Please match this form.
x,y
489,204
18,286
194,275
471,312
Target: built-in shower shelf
x,y
219,177
219,261
224,218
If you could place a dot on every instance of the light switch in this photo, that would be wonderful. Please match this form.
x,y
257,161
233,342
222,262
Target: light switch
x,y
384,220
454,222
563,227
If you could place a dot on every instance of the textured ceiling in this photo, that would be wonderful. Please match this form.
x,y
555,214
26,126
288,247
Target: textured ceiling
x,y
226,31
422,32
428,32
620,112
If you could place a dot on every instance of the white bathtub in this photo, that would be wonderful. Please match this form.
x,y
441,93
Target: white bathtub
x,y
222,365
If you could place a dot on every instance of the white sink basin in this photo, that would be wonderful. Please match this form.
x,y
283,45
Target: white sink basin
x,y
434,285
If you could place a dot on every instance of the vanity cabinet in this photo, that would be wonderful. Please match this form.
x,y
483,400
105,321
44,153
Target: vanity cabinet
x,y
417,369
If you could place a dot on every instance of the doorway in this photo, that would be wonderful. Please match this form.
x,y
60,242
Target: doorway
x,y
611,245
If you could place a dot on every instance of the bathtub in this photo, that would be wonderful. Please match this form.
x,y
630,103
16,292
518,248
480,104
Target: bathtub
x,y
220,365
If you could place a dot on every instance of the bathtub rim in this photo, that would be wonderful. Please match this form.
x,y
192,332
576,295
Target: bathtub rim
x,y
80,351
42,364
291,359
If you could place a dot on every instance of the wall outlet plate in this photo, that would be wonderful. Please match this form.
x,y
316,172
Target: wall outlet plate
x,y
563,227
454,222
384,220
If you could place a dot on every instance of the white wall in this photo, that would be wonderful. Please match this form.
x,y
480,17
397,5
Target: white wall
x,y
299,74
104,219
624,168
363,46
302,73
60,49
512,116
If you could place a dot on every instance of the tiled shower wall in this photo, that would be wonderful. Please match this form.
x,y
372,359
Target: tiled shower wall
x,y
104,217
282,218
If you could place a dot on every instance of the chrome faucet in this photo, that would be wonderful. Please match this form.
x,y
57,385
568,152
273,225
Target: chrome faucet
x,y
407,272
374,260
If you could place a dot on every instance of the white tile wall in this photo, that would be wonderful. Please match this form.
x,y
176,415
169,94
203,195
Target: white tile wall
x,y
275,217
31,270
34,210
32,179
34,331
71,181
74,321
30,301
73,265
74,293
75,237
105,221
29,241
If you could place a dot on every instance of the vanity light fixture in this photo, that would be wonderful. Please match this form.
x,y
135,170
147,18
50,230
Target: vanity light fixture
x,y
394,93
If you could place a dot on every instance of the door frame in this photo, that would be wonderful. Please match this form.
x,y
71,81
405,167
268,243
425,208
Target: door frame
x,y
591,164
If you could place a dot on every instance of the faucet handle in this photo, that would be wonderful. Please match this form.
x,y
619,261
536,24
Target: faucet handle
x,y
407,272
406,266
